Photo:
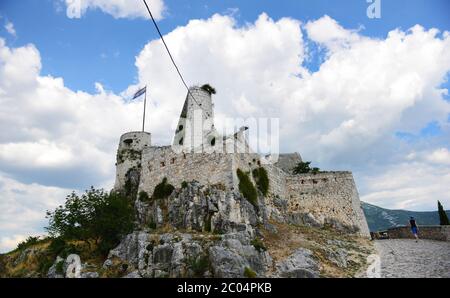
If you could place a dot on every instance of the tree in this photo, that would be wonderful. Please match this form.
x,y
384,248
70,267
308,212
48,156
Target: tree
x,y
443,218
304,168
96,215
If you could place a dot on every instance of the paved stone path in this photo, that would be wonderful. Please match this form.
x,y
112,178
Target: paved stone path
x,y
407,258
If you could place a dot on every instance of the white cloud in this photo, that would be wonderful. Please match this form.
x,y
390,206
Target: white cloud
x,y
10,28
116,8
440,156
328,32
53,127
410,185
23,209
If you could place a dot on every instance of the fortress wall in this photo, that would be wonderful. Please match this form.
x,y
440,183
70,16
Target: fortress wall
x,y
328,196
160,162
248,162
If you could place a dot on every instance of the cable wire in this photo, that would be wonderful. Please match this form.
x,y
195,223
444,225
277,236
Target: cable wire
x,y
168,51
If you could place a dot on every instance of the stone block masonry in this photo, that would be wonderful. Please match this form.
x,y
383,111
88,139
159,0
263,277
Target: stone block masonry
x,y
329,197
441,233
163,162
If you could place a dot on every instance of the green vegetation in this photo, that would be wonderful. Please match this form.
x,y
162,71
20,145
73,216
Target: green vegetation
x,y
258,244
261,179
143,196
59,267
208,89
162,190
152,225
184,184
199,265
96,215
304,168
443,218
249,273
208,223
28,242
247,188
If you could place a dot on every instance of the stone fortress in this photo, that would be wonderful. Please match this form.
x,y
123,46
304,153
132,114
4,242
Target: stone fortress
x,y
203,155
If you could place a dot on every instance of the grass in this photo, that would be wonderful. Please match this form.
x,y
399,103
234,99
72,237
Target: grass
x,y
249,273
290,237
258,244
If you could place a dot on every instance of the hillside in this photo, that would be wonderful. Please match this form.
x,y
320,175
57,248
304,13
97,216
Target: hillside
x,y
381,219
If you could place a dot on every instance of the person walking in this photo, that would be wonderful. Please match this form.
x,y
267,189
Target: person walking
x,y
414,230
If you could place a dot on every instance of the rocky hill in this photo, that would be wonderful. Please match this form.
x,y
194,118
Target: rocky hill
x,y
204,231
381,219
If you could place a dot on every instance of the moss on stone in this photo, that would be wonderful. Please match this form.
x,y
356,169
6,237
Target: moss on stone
x,y
249,273
261,179
258,244
247,188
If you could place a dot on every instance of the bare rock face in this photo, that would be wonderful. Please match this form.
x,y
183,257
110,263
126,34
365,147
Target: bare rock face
x,y
53,272
300,264
207,231
199,208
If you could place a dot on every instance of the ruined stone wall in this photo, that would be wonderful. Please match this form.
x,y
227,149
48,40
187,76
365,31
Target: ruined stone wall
x,y
128,155
331,197
160,162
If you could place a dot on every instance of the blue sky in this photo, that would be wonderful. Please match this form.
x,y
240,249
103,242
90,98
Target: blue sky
x,y
352,93
100,48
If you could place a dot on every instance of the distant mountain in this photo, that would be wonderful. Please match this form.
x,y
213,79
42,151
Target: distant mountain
x,y
381,219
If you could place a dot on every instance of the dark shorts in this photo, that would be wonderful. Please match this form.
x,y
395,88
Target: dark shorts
x,y
414,230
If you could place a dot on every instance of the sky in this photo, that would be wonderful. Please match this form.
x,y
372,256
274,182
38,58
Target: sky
x,y
369,95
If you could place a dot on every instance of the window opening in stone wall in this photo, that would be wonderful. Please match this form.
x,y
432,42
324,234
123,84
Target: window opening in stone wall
x,y
213,142
181,141
163,164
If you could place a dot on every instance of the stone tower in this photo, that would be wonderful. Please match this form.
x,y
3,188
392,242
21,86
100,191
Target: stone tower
x,y
129,154
195,129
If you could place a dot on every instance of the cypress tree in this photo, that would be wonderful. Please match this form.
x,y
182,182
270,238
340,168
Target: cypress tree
x,y
443,218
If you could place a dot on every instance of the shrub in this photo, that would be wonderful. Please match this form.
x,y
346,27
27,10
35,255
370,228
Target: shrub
x,y
59,269
208,89
162,190
249,273
304,168
261,179
184,184
247,188
96,215
315,170
56,246
199,265
208,223
143,196
258,244
152,225
443,218
28,242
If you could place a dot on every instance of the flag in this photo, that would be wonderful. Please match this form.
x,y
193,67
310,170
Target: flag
x,y
140,92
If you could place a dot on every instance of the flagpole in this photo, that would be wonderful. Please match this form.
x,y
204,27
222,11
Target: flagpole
x,y
145,104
